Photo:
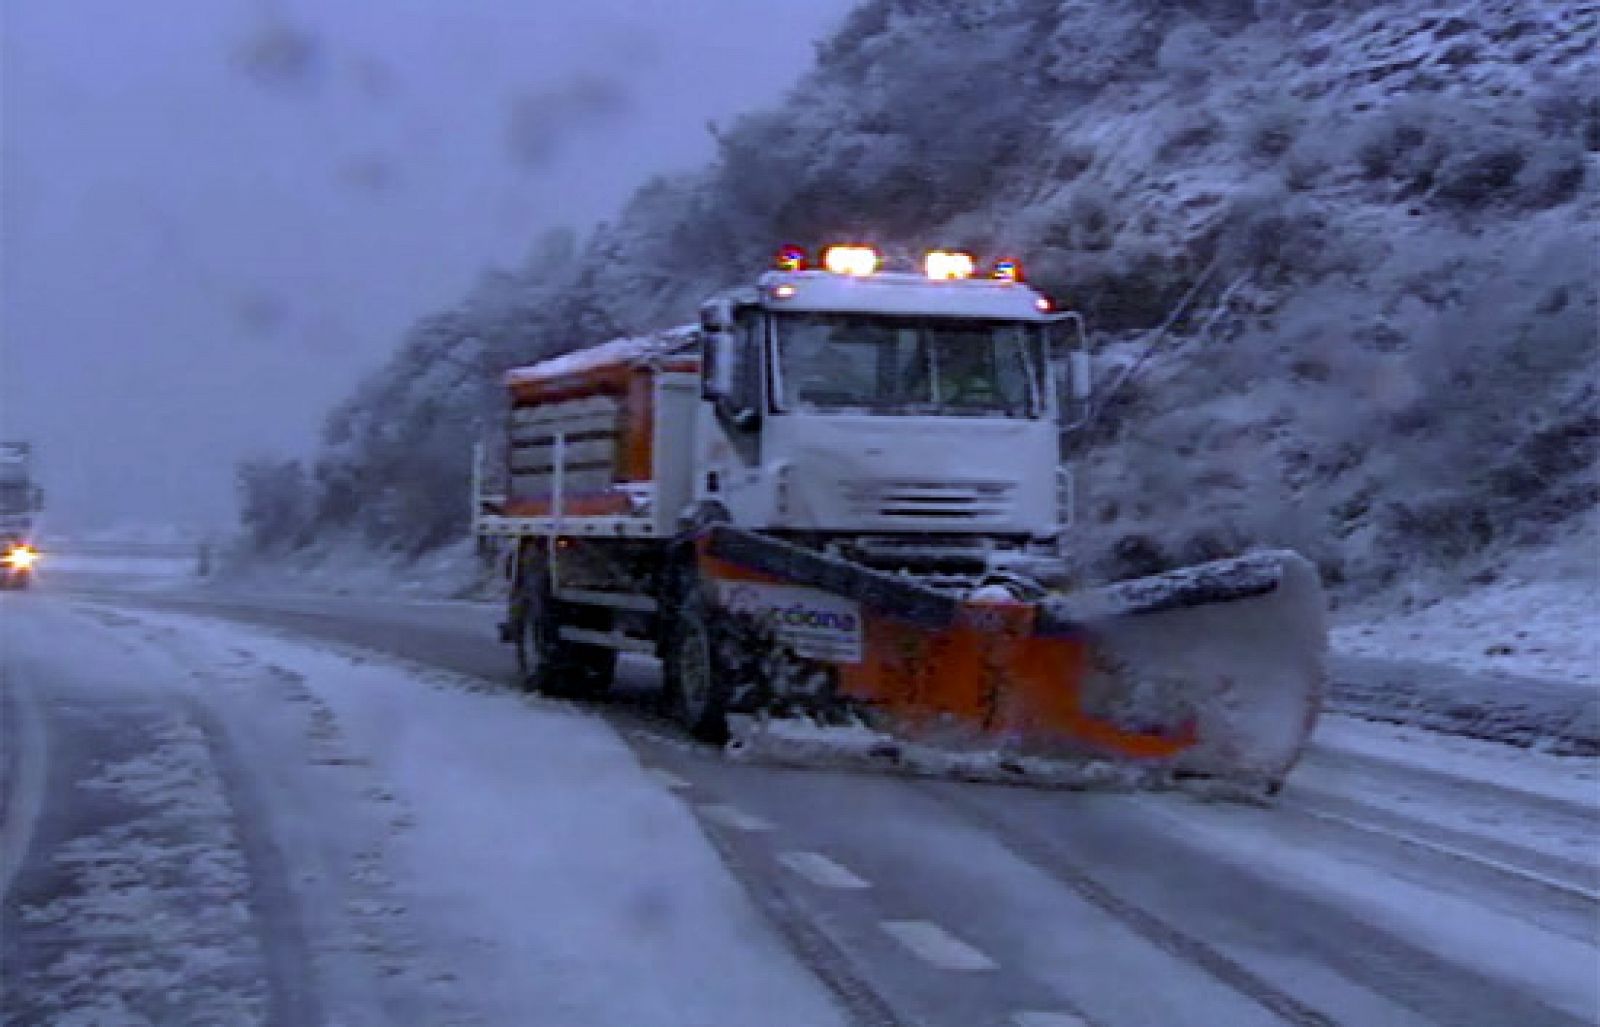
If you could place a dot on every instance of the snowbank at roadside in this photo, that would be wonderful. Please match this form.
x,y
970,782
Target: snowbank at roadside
x,y
1529,612
1540,629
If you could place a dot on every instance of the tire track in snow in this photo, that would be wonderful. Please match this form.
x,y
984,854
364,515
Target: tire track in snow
x,y
274,906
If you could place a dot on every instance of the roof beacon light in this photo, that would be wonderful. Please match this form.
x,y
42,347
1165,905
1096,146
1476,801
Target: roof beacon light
x,y
857,261
942,265
791,258
1007,271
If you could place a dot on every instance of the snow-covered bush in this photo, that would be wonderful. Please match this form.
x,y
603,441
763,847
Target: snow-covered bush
x,y
274,502
1271,131
1188,54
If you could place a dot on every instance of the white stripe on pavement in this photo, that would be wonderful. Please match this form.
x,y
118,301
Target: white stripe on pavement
x,y
734,817
669,779
938,946
1037,1018
821,871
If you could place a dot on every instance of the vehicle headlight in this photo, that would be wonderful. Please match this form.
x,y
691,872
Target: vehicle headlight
x,y
21,557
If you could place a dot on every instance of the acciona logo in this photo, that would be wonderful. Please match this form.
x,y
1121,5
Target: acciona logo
x,y
815,624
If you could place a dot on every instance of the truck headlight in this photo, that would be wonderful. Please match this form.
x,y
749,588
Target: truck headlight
x,y
21,558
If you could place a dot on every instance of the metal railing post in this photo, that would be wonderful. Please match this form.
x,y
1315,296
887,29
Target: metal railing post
x,y
558,495
477,491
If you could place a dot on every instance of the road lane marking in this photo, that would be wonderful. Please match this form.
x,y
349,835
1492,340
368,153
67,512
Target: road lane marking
x,y
938,946
1404,839
734,817
1039,1018
669,780
821,871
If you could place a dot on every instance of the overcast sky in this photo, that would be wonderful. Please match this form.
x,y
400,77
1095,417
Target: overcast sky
x,y
219,214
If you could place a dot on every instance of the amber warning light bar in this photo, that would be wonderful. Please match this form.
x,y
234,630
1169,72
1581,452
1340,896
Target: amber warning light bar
x,y
858,261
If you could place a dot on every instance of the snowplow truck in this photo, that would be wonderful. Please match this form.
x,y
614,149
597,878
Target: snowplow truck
x,y
841,499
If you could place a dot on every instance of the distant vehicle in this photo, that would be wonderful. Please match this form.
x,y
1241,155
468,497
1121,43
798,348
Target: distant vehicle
x,y
844,491
21,500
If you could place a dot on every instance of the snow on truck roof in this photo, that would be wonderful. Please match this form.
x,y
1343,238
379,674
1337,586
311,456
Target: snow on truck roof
x,y
631,351
902,294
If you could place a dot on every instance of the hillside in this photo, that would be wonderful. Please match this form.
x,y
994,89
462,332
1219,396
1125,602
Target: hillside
x,y
1390,209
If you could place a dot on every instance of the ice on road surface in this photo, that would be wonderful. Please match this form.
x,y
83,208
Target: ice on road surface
x,y
447,852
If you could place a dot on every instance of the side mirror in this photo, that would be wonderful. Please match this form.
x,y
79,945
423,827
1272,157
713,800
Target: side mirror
x,y
1079,367
716,316
1069,356
717,352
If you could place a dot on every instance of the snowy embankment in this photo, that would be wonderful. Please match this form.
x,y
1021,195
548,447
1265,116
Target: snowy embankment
x,y
451,852
1513,657
1516,663
1547,629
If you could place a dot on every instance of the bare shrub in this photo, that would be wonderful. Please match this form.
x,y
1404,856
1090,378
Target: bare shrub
x,y
1407,143
1275,236
1085,219
1476,176
1267,133
1193,130
1553,174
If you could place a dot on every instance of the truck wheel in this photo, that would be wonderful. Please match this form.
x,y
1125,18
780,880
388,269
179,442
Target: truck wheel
x,y
696,674
546,663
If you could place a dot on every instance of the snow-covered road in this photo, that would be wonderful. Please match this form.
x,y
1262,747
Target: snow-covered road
x,y
340,813
205,824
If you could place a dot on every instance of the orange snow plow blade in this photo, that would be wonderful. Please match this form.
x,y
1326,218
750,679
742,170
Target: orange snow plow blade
x,y
1211,671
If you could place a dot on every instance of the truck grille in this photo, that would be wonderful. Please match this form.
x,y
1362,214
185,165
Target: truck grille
x,y
948,501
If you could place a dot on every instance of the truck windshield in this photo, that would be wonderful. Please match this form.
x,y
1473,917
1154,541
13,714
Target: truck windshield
x,y
864,363
15,498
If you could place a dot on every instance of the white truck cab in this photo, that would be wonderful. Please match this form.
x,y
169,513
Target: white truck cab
x,y
895,413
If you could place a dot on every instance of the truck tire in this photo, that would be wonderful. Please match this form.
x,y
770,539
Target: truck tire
x,y
545,663
696,673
